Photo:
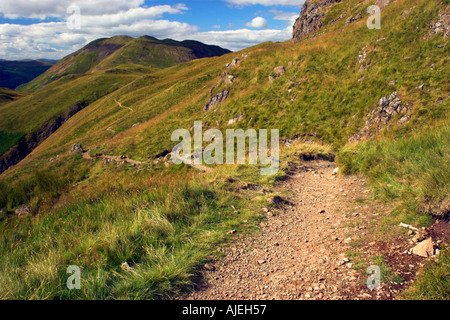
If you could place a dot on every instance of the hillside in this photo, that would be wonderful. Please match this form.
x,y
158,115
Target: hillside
x,y
8,95
373,100
103,54
67,87
16,73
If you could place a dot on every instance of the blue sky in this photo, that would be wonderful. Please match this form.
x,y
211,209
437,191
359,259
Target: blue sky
x,y
40,28
208,14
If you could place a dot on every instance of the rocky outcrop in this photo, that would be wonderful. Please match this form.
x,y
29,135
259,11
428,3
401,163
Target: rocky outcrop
x,y
388,107
442,24
353,19
214,101
77,148
310,20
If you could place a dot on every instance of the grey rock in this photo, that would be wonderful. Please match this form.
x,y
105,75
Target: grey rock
x,y
22,210
281,70
216,100
310,19
76,148
388,107
229,79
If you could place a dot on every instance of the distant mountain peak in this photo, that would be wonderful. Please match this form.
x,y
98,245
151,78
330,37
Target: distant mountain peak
x,y
107,53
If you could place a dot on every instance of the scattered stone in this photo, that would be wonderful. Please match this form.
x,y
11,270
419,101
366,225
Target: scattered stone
x,y
362,57
424,248
109,160
280,70
22,210
277,200
365,296
76,148
442,24
236,119
352,19
335,171
209,267
233,63
231,232
126,267
229,79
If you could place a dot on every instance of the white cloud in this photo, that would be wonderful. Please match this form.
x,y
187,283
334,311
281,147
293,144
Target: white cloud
x,y
258,23
239,39
294,3
290,17
41,9
53,40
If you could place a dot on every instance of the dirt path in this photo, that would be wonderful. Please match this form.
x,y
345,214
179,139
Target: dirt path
x,y
302,251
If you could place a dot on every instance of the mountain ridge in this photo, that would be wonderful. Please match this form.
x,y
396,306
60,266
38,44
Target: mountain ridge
x,y
105,53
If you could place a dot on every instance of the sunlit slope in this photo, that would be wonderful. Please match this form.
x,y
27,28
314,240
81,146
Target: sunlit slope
x,y
7,95
34,110
168,220
325,93
79,62
103,54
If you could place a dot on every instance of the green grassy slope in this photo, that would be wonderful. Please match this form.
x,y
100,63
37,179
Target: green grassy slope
x,y
167,221
7,95
32,111
109,53
99,68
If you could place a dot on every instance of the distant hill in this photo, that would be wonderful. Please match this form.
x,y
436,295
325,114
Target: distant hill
x,y
15,73
107,53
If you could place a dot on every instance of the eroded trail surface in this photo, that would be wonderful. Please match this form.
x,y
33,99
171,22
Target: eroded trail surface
x,y
307,250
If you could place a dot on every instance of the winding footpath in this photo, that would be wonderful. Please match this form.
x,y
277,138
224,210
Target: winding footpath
x,y
314,249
